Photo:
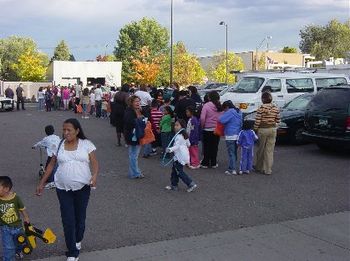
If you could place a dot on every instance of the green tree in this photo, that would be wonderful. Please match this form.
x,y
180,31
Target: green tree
x,y
332,40
133,37
61,52
217,72
288,49
31,66
262,62
187,69
105,58
11,49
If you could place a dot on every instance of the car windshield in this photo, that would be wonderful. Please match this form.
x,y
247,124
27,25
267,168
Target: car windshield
x,y
248,85
298,103
212,86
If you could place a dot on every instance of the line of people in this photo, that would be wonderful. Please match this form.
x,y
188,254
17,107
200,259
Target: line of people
x,y
164,110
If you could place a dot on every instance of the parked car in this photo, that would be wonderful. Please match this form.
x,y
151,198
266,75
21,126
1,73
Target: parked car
x,y
327,118
211,87
6,104
283,86
292,119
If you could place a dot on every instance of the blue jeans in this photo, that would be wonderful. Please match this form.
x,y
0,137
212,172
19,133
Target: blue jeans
x,y
166,138
92,109
41,103
9,242
98,108
247,158
232,154
178,172
147,149
84,106
73,205
134,151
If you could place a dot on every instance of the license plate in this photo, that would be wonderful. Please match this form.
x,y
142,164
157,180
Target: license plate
x,y
323,122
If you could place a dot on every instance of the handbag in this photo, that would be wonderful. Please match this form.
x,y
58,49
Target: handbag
x,y
219,129
79,108
149,136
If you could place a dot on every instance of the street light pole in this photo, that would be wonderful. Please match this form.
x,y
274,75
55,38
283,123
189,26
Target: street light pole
x,y
226,50
267,38
171,41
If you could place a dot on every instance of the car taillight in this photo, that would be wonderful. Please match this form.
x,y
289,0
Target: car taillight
x,y
348,124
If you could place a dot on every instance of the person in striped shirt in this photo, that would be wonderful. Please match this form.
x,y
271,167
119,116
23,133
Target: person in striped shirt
x,y
156,116
266,120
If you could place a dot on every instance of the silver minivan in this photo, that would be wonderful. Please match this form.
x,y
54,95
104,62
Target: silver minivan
x,y
284,87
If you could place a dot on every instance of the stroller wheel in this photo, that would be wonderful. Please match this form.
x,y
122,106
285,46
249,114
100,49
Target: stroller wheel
x,y
41,173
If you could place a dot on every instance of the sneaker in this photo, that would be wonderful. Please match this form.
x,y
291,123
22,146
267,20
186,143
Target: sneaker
x,y
72,258
19,255
172,188
203,166
234,172
50,185
78,245
141,176
215,166
192,188
246,172
153,153
228,172
240,172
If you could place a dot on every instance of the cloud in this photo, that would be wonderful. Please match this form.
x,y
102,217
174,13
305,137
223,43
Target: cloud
x,y
95,23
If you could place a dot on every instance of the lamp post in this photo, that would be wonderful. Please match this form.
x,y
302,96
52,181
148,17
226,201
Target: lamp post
x,y
226,51
266,38
171,41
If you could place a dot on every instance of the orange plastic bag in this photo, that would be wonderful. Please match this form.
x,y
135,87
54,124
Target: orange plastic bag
x,y
149,136
220,129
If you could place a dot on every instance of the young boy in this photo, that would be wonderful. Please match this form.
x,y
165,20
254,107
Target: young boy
x,y
50,142
11,207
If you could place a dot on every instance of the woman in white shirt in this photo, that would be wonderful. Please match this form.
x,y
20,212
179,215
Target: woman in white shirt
x,y
41,99
73,180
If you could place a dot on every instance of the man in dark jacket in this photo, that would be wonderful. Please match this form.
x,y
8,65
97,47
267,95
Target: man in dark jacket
x,y
20,98
182,104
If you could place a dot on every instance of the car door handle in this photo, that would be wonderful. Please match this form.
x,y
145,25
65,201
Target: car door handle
x,y
280,96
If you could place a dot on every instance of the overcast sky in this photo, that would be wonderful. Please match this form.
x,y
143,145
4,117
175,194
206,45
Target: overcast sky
x,y
88,26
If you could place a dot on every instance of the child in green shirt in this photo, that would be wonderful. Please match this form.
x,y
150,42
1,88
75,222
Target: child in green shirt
x,y
11,207
166,127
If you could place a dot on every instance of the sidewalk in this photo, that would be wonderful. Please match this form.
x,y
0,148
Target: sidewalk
x,y
317,238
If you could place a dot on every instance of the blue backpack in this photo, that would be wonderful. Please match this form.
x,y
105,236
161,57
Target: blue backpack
x,y
140,126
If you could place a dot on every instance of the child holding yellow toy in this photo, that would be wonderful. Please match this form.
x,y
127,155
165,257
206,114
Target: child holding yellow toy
x,y
11,207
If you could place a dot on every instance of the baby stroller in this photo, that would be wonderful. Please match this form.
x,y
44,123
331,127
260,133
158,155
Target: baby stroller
x,y
41,168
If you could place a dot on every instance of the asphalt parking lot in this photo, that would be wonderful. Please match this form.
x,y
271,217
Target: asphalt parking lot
x,y
306,182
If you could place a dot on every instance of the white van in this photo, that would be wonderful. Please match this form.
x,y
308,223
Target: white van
x,y
246,94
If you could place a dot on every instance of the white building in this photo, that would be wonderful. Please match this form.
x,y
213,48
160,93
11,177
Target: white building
x,y
89,73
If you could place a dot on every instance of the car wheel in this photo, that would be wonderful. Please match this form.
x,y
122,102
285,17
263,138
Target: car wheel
x,y
298,137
